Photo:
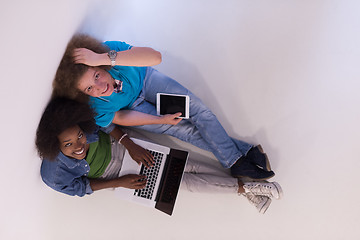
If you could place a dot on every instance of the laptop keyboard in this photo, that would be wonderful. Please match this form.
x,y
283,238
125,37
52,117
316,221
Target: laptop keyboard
x,y
151,176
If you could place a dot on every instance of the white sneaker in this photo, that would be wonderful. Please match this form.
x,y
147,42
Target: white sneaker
x,y
271,190
261,203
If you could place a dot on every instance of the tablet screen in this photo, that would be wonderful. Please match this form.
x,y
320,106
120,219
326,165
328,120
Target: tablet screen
x,y
170,104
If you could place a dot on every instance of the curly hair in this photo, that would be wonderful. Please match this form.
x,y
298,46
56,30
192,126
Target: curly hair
x,y
60,114
69,73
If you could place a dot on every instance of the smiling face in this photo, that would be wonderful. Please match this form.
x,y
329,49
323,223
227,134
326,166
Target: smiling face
x,y
73,143
96,82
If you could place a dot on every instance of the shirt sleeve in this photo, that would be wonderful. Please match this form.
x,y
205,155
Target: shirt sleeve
x,y
104,120
64,181
108,129
118,46
88,189
79,187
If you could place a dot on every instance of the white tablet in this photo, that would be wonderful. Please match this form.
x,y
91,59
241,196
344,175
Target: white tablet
x,y
172,103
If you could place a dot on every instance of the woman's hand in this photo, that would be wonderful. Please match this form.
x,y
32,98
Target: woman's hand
x,y
171,119
132,181
140,155
87,57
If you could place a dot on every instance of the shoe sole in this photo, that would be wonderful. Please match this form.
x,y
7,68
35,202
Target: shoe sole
x,y
257,179
265,206
279,190
268,167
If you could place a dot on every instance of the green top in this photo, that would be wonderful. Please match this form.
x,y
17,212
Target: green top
x,y
99,155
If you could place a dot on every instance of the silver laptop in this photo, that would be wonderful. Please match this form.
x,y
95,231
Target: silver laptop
x,y
163,179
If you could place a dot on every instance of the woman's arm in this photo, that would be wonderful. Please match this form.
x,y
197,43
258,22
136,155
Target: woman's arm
x,y
138,153
134,118
131,181
136,56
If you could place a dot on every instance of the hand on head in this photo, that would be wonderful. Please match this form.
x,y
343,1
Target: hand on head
x,y
87,57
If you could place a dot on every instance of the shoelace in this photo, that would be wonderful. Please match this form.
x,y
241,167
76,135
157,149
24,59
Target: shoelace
x,y
260,189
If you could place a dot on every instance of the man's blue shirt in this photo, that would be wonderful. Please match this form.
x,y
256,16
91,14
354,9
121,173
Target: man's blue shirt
x,y
132,82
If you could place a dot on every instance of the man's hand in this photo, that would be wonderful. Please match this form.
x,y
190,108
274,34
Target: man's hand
x,y
171,119
87,57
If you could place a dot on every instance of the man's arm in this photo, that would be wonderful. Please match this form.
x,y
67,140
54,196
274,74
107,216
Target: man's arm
x,y
136,56
134,118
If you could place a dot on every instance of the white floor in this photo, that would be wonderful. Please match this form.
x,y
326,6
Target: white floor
x,y
281,73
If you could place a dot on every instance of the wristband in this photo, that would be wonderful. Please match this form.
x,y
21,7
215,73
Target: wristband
x,y
122,137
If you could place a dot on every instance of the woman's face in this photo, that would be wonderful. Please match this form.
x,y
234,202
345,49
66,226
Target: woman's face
x,y
96,82
73,143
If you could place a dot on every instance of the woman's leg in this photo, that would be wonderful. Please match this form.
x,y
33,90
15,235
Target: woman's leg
x,y
196,167
202,129
205,178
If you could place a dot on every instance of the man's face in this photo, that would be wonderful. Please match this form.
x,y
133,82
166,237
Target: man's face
x,y
96,82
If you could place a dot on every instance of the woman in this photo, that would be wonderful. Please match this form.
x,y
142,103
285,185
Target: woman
x,y
79,159
116,79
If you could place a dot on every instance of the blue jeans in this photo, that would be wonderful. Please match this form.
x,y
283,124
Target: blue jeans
x,y
202,129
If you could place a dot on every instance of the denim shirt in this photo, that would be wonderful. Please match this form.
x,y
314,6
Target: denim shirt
x,y
68,175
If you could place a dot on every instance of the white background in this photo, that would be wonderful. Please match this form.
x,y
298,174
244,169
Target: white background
x,y
281,73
